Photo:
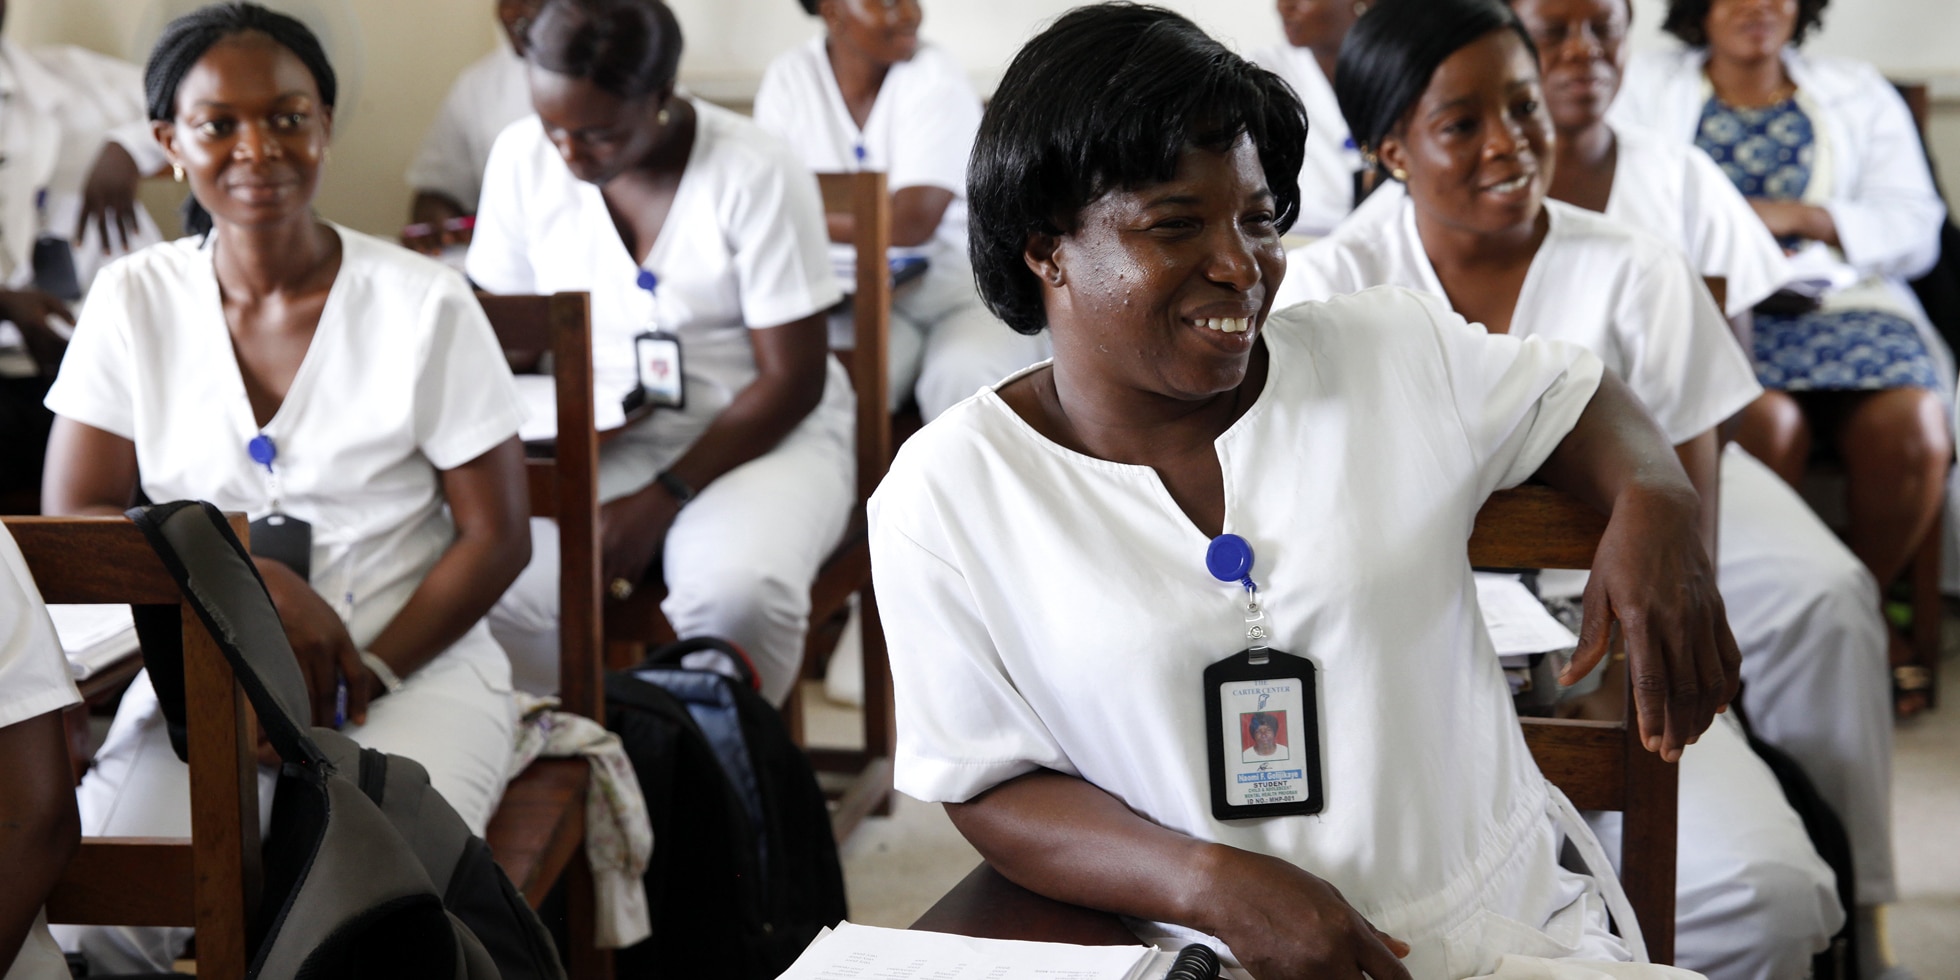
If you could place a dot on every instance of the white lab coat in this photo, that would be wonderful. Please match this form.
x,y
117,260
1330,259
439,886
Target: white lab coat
x,y
1630,298
34,680
1674,192
1332,159
488,96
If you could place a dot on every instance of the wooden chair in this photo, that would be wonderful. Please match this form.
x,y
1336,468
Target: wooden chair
x,y
634,623
210,882
539,827
1599,765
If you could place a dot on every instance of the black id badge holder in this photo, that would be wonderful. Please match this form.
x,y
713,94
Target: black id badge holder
x,y
657,357
1262,714
279,536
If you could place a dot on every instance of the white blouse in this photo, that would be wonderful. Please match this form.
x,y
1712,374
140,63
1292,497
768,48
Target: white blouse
x,y
1332,160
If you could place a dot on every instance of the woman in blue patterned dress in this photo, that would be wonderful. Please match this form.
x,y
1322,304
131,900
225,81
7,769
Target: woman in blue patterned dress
x,y
1827,154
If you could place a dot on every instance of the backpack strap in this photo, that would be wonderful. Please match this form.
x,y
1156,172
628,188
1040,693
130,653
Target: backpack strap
x,y
220,582
740,668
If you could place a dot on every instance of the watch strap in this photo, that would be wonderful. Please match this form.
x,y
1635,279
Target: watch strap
x,y
675,487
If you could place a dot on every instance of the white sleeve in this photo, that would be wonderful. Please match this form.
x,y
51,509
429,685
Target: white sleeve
x,y
1516,398
1890,223
1727,239
933,141
96,385
499,258
1310,275
1681,359
443,164
466,402
772,110
34,675
781,244
963,727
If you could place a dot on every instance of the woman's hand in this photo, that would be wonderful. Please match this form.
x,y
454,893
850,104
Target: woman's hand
x,y
632,530
1282,922
30,310
109,197
1795,219
320,643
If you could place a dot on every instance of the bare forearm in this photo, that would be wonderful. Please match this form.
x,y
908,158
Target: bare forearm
x,y
458,592
1701,457
758,418
39,829
1615,450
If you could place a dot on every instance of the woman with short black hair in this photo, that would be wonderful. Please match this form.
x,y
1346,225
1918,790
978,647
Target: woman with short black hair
x,y
1060,558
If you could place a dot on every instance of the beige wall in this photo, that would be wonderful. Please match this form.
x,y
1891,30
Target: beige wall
x,y
399,57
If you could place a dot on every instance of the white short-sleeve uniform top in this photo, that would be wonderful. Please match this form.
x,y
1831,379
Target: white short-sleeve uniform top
x,y
489,95
920,131
34,680
403,379
1619,292
1051,610
743,247
1327,173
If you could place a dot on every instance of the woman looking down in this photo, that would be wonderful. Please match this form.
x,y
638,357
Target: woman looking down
x,y
1051,635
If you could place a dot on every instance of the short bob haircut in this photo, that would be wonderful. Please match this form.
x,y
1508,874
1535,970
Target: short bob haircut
x,y
627,48
1688,20
1390,55
1105,99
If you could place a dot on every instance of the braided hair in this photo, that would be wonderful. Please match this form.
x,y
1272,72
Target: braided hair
x,y
186,40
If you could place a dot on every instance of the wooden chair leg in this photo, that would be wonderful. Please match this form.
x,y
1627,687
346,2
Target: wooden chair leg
x,y
878,734
1928,610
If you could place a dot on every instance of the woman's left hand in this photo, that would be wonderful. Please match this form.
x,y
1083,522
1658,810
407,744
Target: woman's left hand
x,y
632,530
1652,575
1795,219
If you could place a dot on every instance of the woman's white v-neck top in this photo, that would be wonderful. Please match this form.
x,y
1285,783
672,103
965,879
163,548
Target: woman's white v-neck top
x,y
403,379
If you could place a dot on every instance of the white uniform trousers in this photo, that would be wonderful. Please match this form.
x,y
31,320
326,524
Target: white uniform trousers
x,y
738,564
455,716
945,345
1753,901
1816,685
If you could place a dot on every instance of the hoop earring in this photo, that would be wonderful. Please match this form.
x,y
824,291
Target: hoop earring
x,y
177,172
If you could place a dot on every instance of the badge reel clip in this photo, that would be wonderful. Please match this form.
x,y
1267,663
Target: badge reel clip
x,y
279,536
1262,713
657,358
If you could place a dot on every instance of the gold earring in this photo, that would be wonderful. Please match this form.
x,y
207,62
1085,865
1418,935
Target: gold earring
x,y
1360,7
177,172
662,117
1400,174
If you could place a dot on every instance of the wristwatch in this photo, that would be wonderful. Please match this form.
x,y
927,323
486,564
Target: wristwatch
x,y
390,681
675,487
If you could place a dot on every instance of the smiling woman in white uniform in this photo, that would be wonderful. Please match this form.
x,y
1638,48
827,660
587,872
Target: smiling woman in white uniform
x,y
738,496
868,95
1472,149
280,364
1042,549
1803,608
38,827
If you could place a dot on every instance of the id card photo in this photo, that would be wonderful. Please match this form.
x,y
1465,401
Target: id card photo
x,y
1263,763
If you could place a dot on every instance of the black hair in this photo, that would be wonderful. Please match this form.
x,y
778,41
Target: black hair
x,y
628,48
1262,719
186,39
1688,20
809,6
1105,99
1391,54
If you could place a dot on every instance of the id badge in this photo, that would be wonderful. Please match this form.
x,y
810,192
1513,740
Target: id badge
x,y
1263,725
658,360
286,540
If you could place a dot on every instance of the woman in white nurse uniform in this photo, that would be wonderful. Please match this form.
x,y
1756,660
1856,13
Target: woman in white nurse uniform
x,y
279,365
1803,608
1471,145
868,95
619,184
1330,172
1044,550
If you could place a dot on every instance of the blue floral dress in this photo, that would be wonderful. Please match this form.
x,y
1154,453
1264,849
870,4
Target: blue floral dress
x,y
1769,152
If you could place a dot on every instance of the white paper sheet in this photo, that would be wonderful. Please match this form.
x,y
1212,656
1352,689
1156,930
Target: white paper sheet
x,y
540,395
94,637
1518,624
854,952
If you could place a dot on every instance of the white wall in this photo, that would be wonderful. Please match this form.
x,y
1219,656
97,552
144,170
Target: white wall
x,y
398,57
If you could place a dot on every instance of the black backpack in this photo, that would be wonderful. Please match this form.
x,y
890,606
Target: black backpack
x,y
368,872
744,870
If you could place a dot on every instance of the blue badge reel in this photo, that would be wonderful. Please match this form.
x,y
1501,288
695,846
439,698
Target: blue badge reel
x,y
1262,709
278,535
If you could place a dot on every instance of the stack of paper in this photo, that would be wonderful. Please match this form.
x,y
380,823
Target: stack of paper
x,y
1517,621
94,637
539,392
854,952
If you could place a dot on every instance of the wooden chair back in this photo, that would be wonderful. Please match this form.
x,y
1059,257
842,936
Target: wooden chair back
x,y
863,196
1600,765
212,881
565,486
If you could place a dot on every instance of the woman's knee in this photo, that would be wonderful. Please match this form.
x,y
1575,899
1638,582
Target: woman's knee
x,y
1901,432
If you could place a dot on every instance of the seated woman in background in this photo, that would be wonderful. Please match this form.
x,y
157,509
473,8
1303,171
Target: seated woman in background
x,y
868,95
1446,94
685,217
1803,608
1331,173
447,172
1051,631
38,827
283,366
1826,152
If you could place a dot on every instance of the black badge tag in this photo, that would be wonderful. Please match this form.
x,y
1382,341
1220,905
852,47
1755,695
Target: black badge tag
x,y
1262,726
286,540
657,355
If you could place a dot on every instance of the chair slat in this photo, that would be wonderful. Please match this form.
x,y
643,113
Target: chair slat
x,y
131,881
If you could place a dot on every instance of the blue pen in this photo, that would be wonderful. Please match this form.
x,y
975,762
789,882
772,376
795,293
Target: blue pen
x,y
340,704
